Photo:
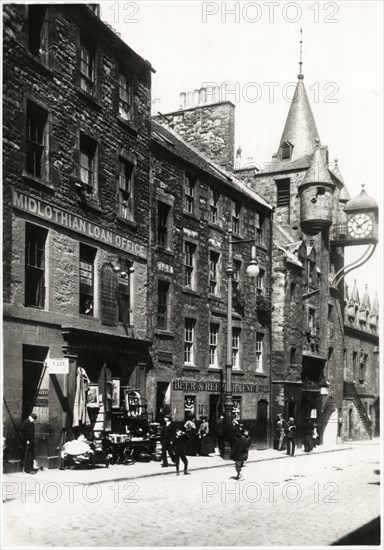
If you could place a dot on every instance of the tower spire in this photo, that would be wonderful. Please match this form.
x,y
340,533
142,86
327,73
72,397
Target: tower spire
x,y
300,75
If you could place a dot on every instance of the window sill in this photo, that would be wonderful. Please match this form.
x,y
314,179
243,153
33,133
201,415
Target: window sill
x,y
89,203
40,64
215,226
163,250
125,221
91,98
164,333
38,181
216,298
191,367
261,375
214,369
187,290
237,372
191,215
262,246
128,124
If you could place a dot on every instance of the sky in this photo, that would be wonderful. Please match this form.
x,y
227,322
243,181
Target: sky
x,y
251,50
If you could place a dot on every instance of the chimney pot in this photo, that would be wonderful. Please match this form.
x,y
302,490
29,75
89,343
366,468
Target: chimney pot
x,y
182,100
189,99
196,97
203,95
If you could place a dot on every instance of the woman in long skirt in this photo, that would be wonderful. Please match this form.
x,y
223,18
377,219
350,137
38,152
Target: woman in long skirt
x,y
192,440
207,446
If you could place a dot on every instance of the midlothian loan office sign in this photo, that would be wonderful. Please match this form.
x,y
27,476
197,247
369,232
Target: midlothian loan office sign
x,y
48,212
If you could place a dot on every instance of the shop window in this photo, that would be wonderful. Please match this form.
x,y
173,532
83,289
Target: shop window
x,y
123,288
189,406
214,199
236,347
236,281
236,407
87,283
87,63
189,264
214,259
88,165
213,344
163,224
37,149
189,341
35,243
163,305
189,193
235,218
38,27
259,226
125,95
259,351
126,189
260,282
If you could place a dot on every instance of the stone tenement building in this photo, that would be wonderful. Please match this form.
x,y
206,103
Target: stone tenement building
x,y
194,203
76,166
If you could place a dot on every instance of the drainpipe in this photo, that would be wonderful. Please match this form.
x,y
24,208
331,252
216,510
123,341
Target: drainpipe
x,y
270,424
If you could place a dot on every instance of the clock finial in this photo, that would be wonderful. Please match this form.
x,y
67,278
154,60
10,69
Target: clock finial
x,y
300,76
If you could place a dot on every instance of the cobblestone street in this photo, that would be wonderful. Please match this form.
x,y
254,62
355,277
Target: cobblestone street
x,y
317,500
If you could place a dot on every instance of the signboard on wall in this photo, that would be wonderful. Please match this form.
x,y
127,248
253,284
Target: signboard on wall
x,y
58,366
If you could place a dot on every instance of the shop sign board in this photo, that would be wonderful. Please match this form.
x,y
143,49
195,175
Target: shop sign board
x,y
58,366
206,385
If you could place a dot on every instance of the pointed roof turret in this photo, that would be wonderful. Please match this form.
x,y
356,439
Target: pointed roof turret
x,y
355,294
366,301
376,306
318,171
300,128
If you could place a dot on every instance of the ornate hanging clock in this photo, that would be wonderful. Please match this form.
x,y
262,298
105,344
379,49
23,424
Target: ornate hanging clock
x,y
362,221
360,226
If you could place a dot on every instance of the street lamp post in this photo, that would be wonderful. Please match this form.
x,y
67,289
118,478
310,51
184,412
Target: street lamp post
x,y
252,272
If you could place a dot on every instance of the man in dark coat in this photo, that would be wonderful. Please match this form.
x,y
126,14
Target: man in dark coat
x,y
239,453
307,433
167,437
179,451
290,432
27,443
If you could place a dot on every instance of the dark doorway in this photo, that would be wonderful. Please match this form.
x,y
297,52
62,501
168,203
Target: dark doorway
x,y
33,372
292,410
161,391
261,431
213,414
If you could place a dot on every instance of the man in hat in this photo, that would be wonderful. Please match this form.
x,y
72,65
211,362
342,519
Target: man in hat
x,y
167,436
27,443
290,432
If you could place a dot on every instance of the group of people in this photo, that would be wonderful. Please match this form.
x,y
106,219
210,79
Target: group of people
x,y
286,433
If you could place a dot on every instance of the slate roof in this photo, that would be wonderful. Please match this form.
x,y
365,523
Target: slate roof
x,y
168,139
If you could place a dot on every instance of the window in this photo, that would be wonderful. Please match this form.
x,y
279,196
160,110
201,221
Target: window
x,y
37,153
362,366
259,223
189,194
283,193
125,96
189,264
35,239
292,292
330,312
214,198
236,347
311,322
162,304
260,282
214,258
88,164
189,407
189,335
163,211
259,351
286,151
311,273
87,64
236,274
87,285
126,185
236,408
213,343
123,289
38,31
293,356
236,208
354,364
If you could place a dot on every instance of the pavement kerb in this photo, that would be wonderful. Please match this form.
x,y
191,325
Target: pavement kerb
x,y
225,464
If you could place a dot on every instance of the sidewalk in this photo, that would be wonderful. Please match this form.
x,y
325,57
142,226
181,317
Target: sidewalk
x,y
119,472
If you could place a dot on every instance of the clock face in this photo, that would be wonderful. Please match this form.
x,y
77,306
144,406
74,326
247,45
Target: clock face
x,y
360,226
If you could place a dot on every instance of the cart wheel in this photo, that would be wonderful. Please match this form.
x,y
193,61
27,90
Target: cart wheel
x,y
129,461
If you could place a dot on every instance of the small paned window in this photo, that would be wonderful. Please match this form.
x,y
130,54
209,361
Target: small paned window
x,y
214,198
236,347
163,215
125,95
259,351
213,344
87,64
189,335
38,27
189,193
87,283
214,259
162,305
37,153
35,243
126,189
88,164
236,210
189,264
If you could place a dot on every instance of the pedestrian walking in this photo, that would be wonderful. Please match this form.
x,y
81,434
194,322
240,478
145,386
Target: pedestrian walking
x,y
307,434
220,434
179,451
191,433
27,443
207,446
290,433
167,437
280,430
315,436
239,453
